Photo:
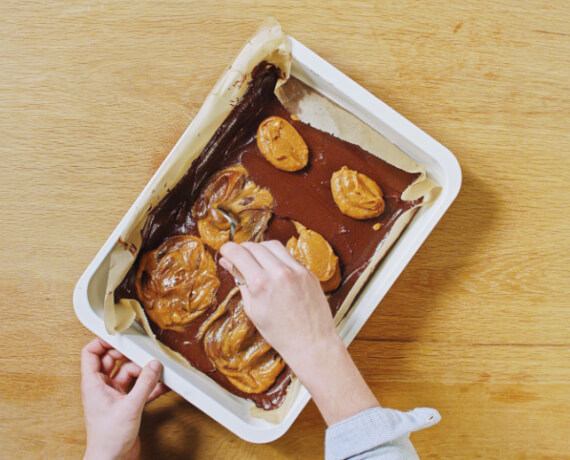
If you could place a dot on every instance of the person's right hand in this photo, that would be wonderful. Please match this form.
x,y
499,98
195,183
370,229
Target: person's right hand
x,y
282,298
287,305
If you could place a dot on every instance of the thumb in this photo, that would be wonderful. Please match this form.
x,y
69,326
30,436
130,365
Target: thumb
x,y
146,381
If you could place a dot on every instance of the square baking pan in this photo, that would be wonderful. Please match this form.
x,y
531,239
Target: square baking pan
x,y
198,389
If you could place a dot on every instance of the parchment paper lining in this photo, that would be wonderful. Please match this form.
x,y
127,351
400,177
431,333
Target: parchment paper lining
x,y
268,44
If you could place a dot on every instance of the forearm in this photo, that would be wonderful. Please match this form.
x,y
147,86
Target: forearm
x,y
94,453
332,378
100,452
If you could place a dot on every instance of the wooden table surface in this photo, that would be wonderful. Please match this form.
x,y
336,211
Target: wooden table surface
x,y
94,94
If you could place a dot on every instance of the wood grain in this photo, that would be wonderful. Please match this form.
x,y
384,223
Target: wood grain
x,y
93,96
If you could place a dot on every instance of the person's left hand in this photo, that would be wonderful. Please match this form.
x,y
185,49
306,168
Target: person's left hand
x,y
112,412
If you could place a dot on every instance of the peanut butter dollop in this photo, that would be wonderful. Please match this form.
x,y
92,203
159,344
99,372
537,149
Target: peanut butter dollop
x,y
249,204
238,351
177,282
356,195
281,144
315,253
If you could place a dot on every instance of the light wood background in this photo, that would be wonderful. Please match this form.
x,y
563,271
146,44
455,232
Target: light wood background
x,y
94,94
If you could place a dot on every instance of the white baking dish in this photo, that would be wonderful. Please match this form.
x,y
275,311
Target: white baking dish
x,y
229,410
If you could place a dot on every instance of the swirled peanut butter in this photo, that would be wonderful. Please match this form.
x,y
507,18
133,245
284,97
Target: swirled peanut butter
x,y
356,195
177,282
239,352
304,197
281,144
315,253
248,204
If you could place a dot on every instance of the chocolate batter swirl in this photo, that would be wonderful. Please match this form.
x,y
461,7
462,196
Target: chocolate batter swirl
x,y
177,282
303,196
231,191
238,350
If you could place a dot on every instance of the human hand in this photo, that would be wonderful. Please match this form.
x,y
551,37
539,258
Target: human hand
x,y
112,412
282,298
287,305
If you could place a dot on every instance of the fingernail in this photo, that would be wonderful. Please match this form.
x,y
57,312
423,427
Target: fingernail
x,y
155,365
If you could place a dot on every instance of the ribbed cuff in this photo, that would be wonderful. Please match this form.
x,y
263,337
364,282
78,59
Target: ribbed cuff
x,y
371,428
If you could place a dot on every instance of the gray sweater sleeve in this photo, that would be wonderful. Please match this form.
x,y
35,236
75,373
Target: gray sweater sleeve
x,y
377,433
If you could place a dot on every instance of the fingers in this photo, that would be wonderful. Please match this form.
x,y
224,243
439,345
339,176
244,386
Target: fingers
x,y
98,359
116,354
158,390
126,374
129,372
107,364
244,261
258,263
91,357
252,257
225,263
98,346
145,384
279,251
264,256
99,356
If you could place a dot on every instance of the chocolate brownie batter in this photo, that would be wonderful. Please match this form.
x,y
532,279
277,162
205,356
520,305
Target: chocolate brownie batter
x,y
304,196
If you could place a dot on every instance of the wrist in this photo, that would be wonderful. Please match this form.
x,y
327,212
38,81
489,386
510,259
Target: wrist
x,y
334,381
311,359
98,452
95,454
